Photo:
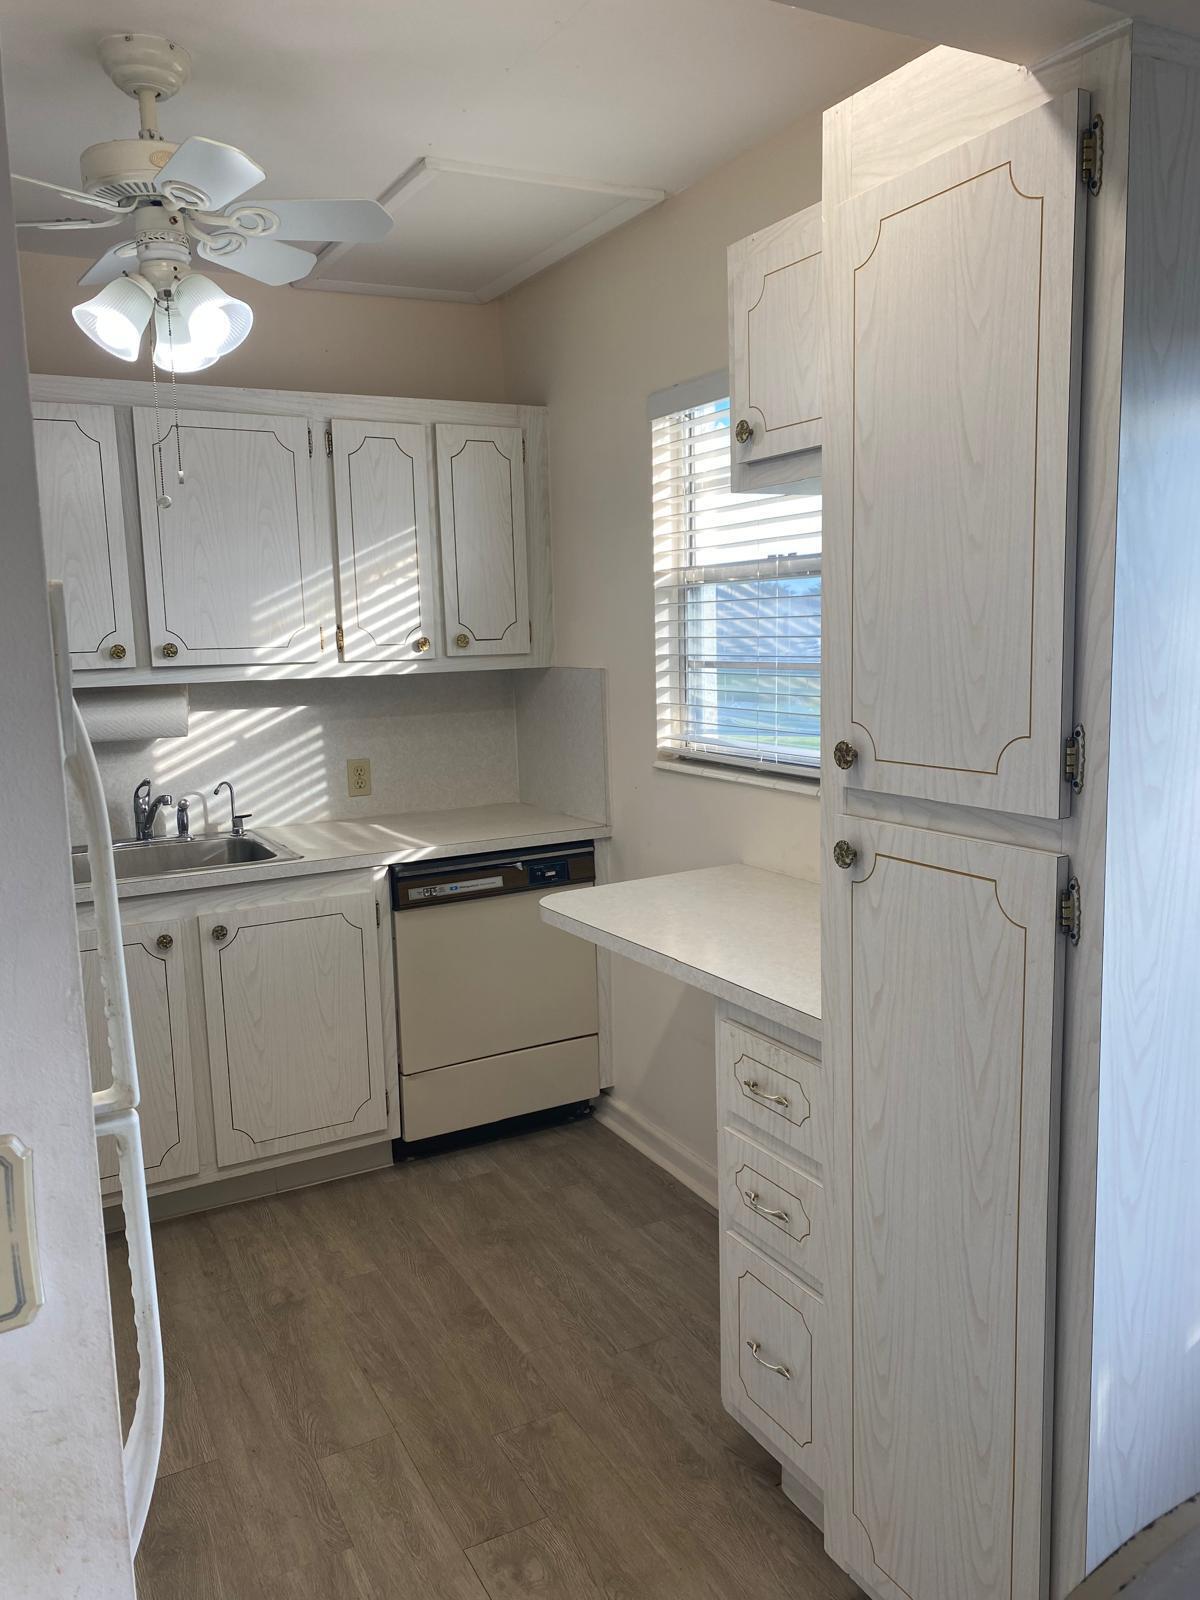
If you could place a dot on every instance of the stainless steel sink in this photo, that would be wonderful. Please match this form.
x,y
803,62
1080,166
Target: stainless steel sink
x,y
153,858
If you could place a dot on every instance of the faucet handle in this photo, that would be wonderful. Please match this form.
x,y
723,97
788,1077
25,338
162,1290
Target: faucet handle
x,y
240,819
182,825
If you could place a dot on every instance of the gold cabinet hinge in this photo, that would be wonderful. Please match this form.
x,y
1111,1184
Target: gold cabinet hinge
x,y
522,447
531,633
340,636
1073,759
1069,911
377,920
328,441
1091,155
310,443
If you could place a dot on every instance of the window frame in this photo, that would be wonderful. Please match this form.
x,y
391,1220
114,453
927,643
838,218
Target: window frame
x,y
777,773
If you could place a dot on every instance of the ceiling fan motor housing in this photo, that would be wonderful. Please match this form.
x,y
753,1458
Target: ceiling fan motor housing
x,y
137,62
124,169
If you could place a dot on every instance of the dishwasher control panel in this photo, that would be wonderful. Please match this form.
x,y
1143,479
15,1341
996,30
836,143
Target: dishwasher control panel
x,y
483,876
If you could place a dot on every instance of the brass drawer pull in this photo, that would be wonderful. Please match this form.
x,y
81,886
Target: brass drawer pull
x,y
164,941
754,1347
744,432
117,652
773,1099
752,1200
220,931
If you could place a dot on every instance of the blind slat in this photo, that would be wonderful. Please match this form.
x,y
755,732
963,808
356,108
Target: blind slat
x,y
737,602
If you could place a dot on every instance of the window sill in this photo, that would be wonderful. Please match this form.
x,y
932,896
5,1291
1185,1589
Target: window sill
x,y
801,784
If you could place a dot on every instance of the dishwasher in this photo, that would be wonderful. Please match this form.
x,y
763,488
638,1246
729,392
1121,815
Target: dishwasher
x,y
497,1011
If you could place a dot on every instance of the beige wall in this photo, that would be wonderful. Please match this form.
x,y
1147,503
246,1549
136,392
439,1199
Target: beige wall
x,y
302,339
592,338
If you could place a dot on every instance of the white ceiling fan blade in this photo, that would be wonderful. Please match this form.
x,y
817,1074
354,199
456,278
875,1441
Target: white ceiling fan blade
x,y
77,196
121,258
72,222
267,260
206,174
344,221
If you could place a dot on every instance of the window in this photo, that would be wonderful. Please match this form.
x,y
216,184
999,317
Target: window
x,y
737,606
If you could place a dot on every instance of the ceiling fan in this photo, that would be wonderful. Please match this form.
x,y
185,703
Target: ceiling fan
x,y
180,202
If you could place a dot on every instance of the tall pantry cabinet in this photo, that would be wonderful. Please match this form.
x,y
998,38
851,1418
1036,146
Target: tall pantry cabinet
x,y
1011,710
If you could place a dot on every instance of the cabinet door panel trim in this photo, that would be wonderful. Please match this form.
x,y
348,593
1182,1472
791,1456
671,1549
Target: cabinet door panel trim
x,y
751,405
293,1133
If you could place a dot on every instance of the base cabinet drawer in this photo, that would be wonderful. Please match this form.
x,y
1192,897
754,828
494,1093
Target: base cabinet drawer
x,y
771,1087
777,1206
770,1351
472,1093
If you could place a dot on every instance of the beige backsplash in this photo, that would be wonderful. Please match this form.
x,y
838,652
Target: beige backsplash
x,y
437,742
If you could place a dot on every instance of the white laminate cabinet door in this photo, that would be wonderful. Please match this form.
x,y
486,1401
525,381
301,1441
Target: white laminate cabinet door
x,y
954,300
83,528
154,969
945,1029
774,340
236,571
386,587
295,1031
481,507
771,1354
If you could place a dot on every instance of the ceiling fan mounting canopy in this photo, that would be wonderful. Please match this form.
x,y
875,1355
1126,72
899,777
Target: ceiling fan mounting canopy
x,y
140,63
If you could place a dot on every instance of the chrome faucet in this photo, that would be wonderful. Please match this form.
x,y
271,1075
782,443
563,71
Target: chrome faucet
x,y
240,818
145,810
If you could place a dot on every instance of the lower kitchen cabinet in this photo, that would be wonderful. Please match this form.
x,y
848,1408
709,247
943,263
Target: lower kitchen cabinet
x,y
294,1024
154,955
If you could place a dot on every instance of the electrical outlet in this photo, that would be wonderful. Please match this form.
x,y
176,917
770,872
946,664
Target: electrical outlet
x,y
358,777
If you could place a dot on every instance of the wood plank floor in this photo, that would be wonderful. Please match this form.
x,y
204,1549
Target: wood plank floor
x,y
487,1374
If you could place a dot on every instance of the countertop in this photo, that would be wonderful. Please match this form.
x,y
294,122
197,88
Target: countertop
x,y
752,937
380,841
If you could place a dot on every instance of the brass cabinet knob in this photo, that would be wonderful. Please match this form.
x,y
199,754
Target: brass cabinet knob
x,y
117,652
844,754
844,853
220,931
462,640
164,941
169,650
744,432
421,644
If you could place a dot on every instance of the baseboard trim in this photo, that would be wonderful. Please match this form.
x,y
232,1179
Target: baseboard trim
x,y
661,1147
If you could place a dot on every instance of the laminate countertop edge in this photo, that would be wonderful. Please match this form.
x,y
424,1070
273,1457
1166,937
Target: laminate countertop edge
x,y
343,846
746,935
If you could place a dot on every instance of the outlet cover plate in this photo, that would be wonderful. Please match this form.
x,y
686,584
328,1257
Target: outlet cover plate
x,y
358,777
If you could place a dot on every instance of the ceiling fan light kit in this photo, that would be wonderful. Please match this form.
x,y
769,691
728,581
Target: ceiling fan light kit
x,y
179,201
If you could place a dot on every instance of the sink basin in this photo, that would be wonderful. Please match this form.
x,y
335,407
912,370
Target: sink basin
x,y
153,858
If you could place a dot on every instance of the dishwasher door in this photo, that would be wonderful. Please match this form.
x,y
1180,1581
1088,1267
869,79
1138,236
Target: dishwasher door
x,y
486,977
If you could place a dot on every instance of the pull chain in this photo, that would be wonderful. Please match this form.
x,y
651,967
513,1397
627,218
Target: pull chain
x,y
164,499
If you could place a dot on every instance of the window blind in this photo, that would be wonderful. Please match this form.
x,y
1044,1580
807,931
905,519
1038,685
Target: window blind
x,y
737,605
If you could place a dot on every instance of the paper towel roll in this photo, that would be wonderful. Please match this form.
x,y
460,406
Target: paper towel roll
x,y
134,715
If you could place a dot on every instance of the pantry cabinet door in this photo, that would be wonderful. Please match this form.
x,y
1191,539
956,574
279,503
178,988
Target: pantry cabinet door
x,y
386,588
83,528
236,573
954,297
159,1014
774,341
295,1026
944,1032
481,508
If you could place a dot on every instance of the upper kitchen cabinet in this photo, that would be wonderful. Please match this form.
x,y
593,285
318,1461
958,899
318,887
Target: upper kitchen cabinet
x,y
83,529
774,353
386,587
236,570
481,504
954,294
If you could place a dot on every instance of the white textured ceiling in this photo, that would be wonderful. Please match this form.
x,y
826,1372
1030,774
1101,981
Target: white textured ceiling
x,y
1015,30
341,97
